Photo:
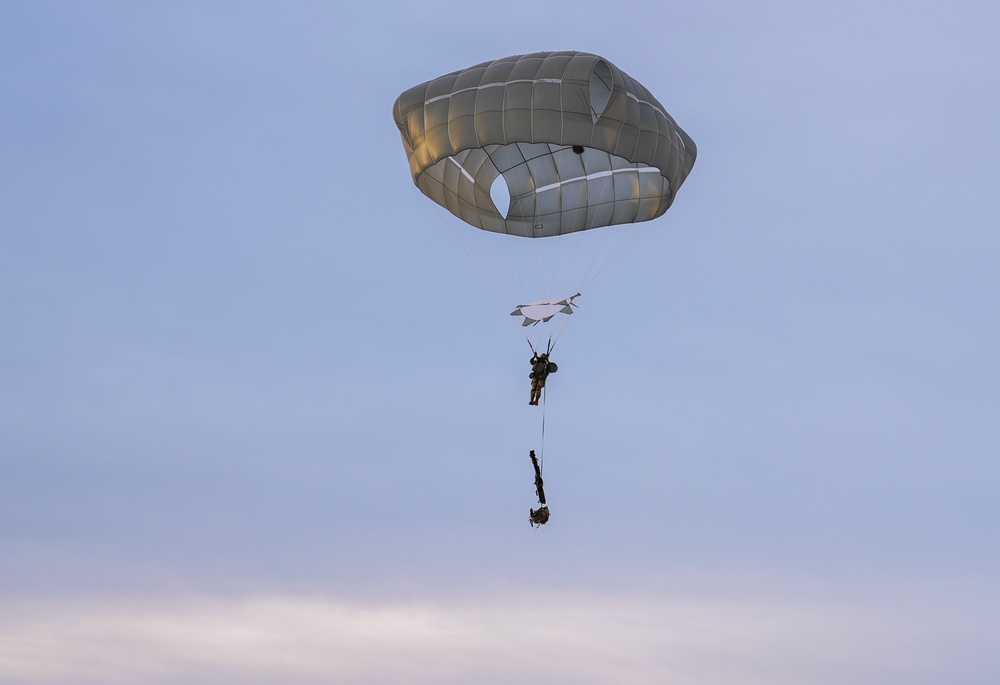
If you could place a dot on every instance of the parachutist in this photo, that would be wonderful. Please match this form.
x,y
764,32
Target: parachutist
x,y
541,367
539,516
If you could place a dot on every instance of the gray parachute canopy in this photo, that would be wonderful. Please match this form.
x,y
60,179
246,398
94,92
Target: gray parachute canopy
x,y
566,140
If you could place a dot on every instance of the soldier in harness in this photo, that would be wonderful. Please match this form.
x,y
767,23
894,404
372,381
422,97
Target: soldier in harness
x,y
541,367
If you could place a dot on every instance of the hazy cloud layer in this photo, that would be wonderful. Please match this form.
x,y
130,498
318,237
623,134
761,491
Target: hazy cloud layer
x,y
559,638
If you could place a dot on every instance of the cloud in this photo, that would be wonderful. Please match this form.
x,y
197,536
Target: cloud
x,y
570,637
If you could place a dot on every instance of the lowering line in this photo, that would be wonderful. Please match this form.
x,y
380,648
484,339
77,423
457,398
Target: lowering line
x,y
541,451
539,517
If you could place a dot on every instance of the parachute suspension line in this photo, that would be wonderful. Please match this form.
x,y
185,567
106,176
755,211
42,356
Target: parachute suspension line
x,y
558,330
585,258
576,255
567,263
608,237
556,258
616,242
506,253
493,277
541,451
539,248
502,248
633,235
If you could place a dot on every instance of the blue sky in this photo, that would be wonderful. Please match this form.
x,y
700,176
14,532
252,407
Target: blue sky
x,y
261,419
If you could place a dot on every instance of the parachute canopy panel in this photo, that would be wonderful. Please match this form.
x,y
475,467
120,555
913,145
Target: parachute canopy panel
x,y
579,144
544,310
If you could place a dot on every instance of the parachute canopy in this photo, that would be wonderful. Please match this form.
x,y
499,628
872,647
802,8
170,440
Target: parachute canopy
x,y
543,145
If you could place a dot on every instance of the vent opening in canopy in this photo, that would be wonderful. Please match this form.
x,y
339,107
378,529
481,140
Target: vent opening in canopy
x,y
601,83
500,194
